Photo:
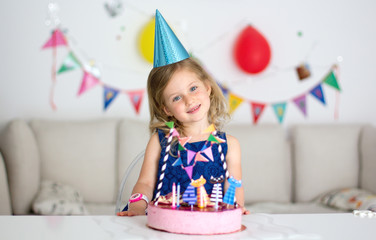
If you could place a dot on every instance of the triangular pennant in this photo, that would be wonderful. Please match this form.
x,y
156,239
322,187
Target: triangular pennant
x,y
189,171
331,80
279,109
175,133
234,102
200,158
57,39
208,152
210,129
181,148
109,95
177,162
184,140
301,103
88,81
220,140
190,156
211,138
224,89
318,93
257,109
69,63
170,124
136,98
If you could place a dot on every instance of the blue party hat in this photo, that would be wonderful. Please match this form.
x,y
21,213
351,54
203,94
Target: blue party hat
x,y
167,47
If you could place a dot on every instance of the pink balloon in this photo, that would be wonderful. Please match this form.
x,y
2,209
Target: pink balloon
x,y
252,51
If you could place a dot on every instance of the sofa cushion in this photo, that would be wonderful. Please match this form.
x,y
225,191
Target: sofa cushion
x,y
81,154
368,159
349,199
58,199
22,162
266,164
325,158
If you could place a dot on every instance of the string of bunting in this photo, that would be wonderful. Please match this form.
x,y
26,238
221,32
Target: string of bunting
x,y
90,78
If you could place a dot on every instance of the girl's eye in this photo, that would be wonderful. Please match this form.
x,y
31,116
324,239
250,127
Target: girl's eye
x,y
177,98
193,88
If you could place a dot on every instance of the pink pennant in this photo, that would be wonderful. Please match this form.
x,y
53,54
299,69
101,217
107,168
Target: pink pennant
x,y
191,155
88,82
184,140
208,152
57,39
200,158
189,171
301,103
136,98
175,133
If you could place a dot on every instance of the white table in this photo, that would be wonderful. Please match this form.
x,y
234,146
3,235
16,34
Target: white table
x,y
259,226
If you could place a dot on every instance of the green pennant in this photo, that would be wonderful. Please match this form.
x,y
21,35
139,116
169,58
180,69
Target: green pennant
x,y
331,80
212,139
170,124
181,148
70,63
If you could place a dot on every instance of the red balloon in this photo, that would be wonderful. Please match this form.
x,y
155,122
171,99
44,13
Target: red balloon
x,y
252,51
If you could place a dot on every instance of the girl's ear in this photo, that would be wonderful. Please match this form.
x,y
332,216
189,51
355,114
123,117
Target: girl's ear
x,y
167,111
208,88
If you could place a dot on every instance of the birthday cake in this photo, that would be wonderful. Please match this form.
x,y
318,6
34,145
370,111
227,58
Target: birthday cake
x,y
194,220
194,214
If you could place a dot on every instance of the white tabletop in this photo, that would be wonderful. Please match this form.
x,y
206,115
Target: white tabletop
x,y
259,226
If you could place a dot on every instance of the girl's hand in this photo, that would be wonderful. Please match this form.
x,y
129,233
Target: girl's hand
x,y
130,213
245,211
135,209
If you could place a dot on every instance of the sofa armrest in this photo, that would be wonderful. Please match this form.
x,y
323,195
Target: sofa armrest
x,y
368,158
5,207
22,161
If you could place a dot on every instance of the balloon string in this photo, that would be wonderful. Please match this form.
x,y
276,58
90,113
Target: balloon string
x,y
53,73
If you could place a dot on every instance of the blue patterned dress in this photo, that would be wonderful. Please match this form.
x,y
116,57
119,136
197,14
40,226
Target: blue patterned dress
x,y
177,174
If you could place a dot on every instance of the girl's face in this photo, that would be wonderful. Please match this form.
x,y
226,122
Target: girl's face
x,y
186,98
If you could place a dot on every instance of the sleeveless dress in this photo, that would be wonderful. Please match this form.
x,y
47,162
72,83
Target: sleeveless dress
x,y
178,174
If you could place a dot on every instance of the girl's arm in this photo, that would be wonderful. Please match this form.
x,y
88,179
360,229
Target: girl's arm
x,y
233,159
147,178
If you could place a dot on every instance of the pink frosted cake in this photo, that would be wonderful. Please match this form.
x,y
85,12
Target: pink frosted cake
x,y
185,220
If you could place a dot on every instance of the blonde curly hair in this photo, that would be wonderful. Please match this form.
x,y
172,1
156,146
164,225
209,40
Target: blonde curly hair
x,y
157,82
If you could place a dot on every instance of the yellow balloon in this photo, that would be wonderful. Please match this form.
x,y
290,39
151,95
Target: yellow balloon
x,y
146,41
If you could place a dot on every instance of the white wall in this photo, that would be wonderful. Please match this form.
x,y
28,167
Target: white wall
x,y
207,28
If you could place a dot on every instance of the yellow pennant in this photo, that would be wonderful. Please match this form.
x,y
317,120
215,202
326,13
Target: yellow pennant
x,y
210,129
234,102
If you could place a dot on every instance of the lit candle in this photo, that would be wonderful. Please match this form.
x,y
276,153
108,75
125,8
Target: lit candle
x,y
173,195
178,197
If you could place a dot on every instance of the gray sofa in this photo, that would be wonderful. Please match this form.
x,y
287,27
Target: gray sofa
x,y
285,170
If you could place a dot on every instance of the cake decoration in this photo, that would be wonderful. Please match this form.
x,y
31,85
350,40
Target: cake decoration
x,y
229,197
202,196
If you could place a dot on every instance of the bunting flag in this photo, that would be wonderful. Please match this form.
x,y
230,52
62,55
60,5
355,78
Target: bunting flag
x,y
109,95
219,140
212,139
331,80
279,109
318,93
301,103
170,124
257,109
184,140
224,89
188,170
210,129
136,98
209,154
181,147
177,162
200,158
57,39
234,102
190,156
69,63
88,81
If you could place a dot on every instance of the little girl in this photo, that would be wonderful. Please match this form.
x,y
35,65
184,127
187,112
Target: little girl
x,y
185,94
181,92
